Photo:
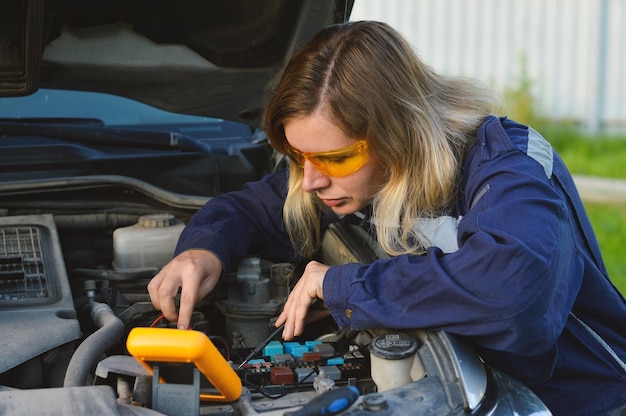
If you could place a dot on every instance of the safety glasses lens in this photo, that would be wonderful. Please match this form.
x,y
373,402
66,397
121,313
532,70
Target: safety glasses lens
x,y
337,163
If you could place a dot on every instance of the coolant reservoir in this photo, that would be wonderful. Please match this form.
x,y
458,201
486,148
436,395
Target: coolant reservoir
x,y
392,360
149,243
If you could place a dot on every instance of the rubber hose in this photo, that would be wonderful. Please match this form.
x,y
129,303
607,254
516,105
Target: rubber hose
x,y
116,275
111,330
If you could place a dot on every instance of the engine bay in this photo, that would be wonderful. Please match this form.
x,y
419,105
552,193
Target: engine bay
x,y
51,306
48,305
74,264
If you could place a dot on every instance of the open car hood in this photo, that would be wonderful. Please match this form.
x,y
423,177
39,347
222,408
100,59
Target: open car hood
x,y
200,57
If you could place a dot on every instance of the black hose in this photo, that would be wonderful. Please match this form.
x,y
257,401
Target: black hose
x,y
84,359
116,275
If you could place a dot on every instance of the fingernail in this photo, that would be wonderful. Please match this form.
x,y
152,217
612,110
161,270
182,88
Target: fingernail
x,y
181,327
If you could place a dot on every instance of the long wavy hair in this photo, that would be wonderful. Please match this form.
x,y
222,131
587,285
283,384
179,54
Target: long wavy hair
x,y
419,125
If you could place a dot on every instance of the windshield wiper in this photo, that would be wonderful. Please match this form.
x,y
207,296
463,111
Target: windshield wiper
x,y
55,120
111,136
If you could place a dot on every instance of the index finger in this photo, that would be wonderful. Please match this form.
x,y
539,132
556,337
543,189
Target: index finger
x,y
187,303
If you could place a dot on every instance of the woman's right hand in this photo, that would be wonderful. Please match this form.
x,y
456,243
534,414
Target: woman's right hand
x,y
195,273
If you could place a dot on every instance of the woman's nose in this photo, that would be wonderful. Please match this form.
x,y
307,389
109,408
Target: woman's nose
x,y
313,179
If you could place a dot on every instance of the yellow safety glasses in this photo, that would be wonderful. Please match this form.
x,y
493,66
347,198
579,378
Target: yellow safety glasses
x,y
335,163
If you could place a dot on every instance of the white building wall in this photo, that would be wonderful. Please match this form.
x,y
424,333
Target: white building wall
x,y
574,51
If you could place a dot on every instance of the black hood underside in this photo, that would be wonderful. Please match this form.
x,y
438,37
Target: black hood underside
x,y
200,57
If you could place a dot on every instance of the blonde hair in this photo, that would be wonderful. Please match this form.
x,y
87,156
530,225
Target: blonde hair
x,y
419,125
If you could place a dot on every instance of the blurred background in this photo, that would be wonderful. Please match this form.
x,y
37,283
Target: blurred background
x,y
569,56
560,66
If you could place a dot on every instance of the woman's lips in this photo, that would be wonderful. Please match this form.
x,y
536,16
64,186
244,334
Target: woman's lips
x,y
332,202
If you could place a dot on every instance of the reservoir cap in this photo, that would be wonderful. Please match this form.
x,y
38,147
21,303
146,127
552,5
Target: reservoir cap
x,y
156,220
393,346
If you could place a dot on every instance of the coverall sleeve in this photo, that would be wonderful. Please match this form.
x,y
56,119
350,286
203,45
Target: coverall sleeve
x,y
237,223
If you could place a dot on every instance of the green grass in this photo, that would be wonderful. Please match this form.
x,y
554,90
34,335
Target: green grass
x,y
606,157
609,223
598,156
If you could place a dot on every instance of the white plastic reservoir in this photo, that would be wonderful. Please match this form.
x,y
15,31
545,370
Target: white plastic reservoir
x,y
149,243
392,360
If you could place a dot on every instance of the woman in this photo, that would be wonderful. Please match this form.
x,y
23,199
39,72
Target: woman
x,y
486,233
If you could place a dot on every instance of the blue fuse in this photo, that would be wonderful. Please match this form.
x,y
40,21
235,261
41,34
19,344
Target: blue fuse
x,y
273,348
335,361
289,346
311,344
299,350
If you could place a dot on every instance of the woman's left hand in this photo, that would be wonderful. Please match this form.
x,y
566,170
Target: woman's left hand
x,y
305,292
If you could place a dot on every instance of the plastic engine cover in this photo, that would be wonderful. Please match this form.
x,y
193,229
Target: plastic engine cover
x,y
36,306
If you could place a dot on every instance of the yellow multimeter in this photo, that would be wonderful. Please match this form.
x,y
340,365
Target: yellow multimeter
x,y
152,346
